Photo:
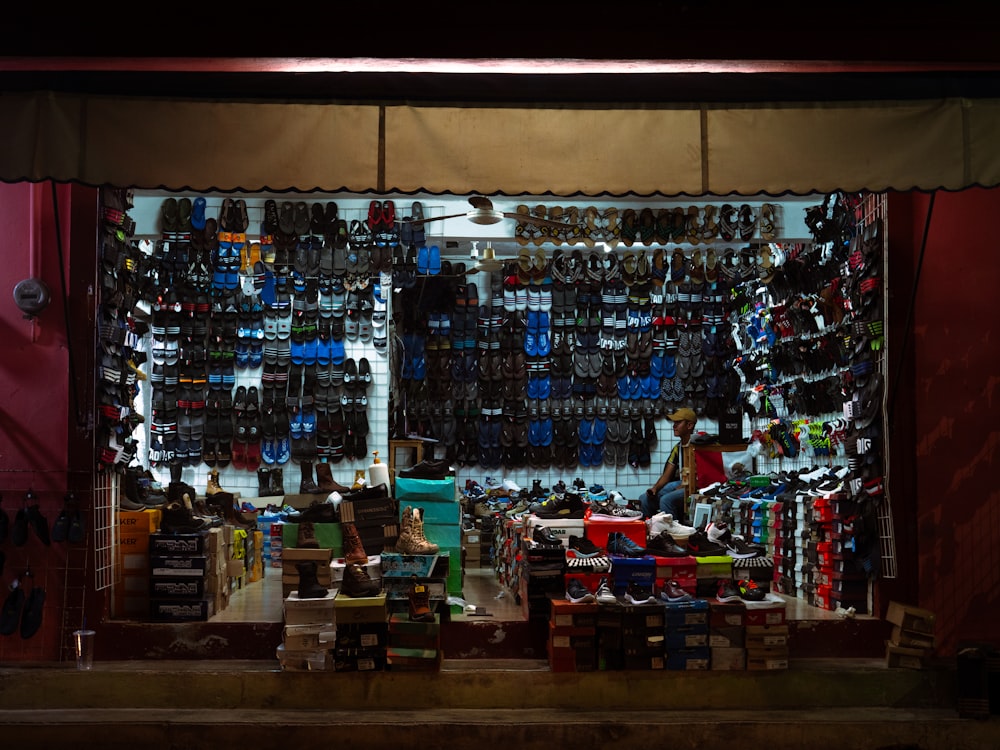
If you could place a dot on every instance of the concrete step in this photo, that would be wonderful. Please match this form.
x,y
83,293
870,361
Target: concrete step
x,y
815,703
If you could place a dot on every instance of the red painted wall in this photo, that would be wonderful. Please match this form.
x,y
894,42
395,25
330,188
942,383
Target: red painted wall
x,y
942,377
45,445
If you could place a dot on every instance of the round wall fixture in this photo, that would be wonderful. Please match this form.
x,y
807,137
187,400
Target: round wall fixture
x,y
31,296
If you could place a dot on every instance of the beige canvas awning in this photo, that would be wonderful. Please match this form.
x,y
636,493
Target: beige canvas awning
x,y
777,148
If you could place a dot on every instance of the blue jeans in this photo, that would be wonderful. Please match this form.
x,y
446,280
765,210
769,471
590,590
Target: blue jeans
x,y
670,499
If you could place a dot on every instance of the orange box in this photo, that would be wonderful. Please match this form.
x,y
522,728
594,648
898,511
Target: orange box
x,y
138,521
598,531
133,542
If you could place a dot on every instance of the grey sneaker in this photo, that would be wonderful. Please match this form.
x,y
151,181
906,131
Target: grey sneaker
x,y
610,511
605,594
577,593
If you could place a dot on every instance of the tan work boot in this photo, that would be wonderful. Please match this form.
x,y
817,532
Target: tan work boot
x,y
354,550
357,582
213,482
416,543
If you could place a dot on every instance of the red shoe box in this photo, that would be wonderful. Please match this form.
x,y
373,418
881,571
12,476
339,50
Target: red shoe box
x,y
684,570
597,531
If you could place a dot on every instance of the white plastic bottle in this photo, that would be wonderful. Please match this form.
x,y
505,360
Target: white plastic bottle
x,y
378,473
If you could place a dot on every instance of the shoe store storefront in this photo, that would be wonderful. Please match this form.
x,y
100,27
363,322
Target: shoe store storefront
x,y
333,395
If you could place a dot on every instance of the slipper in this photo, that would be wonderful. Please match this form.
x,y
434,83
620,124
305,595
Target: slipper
x,y
31,615
10,614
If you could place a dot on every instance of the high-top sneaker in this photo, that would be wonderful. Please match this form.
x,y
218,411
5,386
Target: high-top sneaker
x,y
263,482
277,482
325,480
354,550
357,582
307,536
213,482
420,601
307,486
417,542
309,586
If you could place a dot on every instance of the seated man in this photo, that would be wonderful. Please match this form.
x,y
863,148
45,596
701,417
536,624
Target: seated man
x,y
667,493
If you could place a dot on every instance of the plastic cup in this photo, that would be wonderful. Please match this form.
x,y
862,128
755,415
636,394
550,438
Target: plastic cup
x,y
84,642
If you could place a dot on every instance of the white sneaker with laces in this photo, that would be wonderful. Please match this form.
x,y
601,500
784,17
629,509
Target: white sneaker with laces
x,y
604,593
665,522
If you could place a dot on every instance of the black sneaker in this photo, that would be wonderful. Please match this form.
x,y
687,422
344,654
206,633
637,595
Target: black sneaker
x,y
663,545
543,535
700,545
739,549
577,593
583,547
636,593
568,505
750,591
727,592
620,544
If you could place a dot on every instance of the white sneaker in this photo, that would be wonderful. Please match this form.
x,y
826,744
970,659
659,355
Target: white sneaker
x,y
665,522
604,593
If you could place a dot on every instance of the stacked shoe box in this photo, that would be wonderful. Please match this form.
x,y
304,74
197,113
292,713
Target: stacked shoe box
x,y
431,570
642,635
686,634
767,645
572,642
442,508
508,563
275,532
786,547
131,597
376,520
179,570
486,527
848,580
542,576
727,635
310,625
414,646
362,633
708,570
683,570
911,644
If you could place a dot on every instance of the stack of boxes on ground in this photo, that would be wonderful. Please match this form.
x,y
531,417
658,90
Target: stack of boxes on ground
x,y
622,592
367,589
911,644
182,557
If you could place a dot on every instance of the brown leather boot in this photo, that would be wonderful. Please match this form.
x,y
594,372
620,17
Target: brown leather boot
x,y
263,482
307,486
357,582
307,536
354,549
178,519
226,505
325,480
